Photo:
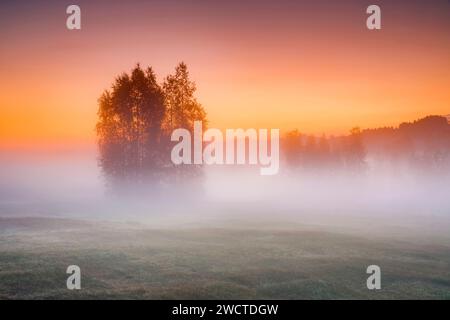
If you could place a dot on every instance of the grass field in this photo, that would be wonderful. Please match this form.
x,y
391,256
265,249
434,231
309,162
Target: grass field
x,y
121,260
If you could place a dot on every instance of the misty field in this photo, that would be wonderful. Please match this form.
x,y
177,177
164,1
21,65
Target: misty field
x,y
125,260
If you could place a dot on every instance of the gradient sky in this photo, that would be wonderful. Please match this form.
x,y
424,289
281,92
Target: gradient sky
x,y
311,65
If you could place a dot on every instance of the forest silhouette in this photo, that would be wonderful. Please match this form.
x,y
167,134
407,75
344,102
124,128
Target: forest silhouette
x,y
422,145
137,116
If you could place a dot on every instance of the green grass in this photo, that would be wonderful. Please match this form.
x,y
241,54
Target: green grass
x,y
121,261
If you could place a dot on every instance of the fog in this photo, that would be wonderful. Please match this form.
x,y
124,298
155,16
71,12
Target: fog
x,y
71,184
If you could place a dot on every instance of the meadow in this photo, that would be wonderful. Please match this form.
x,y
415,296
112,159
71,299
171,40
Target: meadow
x,y
233,259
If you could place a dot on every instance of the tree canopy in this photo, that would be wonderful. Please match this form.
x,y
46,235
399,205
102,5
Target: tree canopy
x,y
135,120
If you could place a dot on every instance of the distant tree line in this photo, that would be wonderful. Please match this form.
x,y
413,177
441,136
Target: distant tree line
x,y
303,151
423,144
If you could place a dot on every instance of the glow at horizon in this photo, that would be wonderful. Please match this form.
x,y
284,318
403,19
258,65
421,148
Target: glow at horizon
x,y
261,64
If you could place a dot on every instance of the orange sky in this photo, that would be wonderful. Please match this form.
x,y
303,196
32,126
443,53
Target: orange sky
x,y
286,64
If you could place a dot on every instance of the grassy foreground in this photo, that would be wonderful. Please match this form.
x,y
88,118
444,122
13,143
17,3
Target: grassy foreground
x,y
130,261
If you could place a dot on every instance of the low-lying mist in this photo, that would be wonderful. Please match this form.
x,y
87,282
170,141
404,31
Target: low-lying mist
x,y
71,185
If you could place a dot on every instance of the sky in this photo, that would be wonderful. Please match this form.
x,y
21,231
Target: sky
x,y
310,65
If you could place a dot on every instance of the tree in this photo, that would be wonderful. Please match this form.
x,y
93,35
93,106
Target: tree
x,y
355,152
182,107
310,152
323,151
136,118
292,148
129,127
